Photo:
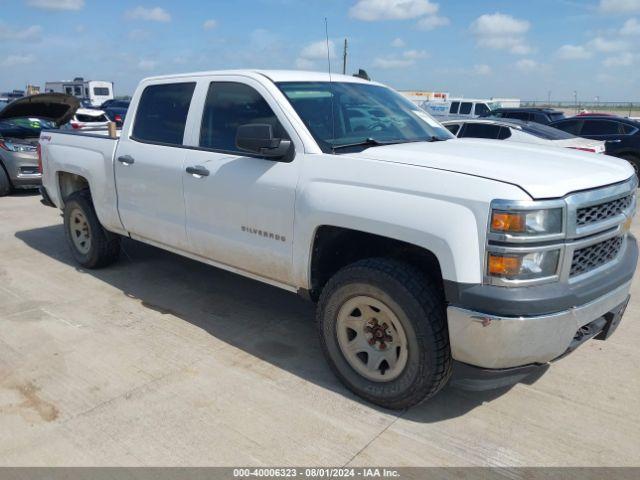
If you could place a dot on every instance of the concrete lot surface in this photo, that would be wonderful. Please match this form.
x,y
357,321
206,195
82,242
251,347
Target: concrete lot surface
x,y
159,360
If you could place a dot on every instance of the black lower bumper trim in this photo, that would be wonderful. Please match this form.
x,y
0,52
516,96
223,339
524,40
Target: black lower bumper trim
x,y
468,377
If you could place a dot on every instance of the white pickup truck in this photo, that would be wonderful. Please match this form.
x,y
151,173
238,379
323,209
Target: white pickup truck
x,y
419,249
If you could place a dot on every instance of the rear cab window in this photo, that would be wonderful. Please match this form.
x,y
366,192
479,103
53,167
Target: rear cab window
x,y
162,111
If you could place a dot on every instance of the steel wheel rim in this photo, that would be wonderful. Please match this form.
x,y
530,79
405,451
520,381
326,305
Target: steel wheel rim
x,y
80,231
375,352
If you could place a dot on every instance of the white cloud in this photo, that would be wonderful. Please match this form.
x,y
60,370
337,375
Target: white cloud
x,y
373,10
57,4
604,45
527,65
481,70
398,43
139,34
15,60
625,59
498,31
29,33
433,22
391,63
619,6
573,52
407,59
630,27
415,54
210,24
155,14
314,52
146,64
318,50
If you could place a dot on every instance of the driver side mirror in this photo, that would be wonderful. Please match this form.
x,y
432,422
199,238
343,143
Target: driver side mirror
x,y
258,138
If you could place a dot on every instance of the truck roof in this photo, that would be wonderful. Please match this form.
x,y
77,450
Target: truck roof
x,y
273,75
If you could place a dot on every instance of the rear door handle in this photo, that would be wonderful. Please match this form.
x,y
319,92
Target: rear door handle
x,y
198,170
126,159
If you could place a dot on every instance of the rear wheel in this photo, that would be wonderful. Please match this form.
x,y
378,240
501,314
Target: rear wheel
x,y
383,330
5,184
91,245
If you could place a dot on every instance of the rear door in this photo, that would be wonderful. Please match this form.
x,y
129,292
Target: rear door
x,y
150,165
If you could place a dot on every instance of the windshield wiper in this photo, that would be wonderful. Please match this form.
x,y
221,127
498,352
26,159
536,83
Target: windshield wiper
x,y
367,142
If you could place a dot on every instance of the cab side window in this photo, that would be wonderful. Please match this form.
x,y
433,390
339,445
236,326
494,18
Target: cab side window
x,y
162,113
454,107
228,106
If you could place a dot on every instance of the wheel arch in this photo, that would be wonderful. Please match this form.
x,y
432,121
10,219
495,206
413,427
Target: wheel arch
x,y
334,247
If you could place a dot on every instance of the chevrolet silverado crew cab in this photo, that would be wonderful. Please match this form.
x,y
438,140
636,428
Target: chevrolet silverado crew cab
x,y
419,249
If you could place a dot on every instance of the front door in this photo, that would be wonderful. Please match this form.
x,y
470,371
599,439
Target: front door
x,y
240,208
149,166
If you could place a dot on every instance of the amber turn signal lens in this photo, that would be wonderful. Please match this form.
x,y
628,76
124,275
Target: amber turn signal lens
x,y
508,222
501,266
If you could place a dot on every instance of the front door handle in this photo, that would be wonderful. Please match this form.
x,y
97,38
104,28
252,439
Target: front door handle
x,y
198,171
126,159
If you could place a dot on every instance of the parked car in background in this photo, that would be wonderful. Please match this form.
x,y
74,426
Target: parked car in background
x,y
88,119
116,110
527,114
621,135
519,131
19,134
419,249
468,108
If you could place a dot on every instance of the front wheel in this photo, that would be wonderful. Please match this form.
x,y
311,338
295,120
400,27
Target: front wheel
x,y
383,329
91,245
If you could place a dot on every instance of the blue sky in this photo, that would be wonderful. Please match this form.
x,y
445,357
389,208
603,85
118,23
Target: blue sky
x,y
477,48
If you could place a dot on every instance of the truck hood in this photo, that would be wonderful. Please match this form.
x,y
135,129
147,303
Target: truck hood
x,y
543,172
56,107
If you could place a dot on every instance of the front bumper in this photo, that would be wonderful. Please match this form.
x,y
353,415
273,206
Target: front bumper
x,y
491,341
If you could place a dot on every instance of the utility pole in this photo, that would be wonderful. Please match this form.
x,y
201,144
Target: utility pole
x,y
575,99
344,58
549,98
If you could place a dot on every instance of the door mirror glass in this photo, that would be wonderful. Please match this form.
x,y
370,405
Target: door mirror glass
x,y
258,138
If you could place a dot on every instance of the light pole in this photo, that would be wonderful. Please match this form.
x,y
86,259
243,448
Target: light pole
x,y
575,99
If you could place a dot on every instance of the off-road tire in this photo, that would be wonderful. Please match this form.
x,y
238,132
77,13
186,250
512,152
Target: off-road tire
x,y
419,305
5,183
105,246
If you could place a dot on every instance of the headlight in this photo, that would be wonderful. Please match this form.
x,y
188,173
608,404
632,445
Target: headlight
x,y
527,222
523,266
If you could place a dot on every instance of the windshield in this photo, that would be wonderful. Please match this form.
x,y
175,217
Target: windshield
x,y
548,133
343,113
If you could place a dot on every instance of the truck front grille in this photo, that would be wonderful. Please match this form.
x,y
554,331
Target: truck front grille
x,y
594,256
603,211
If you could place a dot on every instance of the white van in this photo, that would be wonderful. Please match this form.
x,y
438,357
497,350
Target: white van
x,y
95,91
463,107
